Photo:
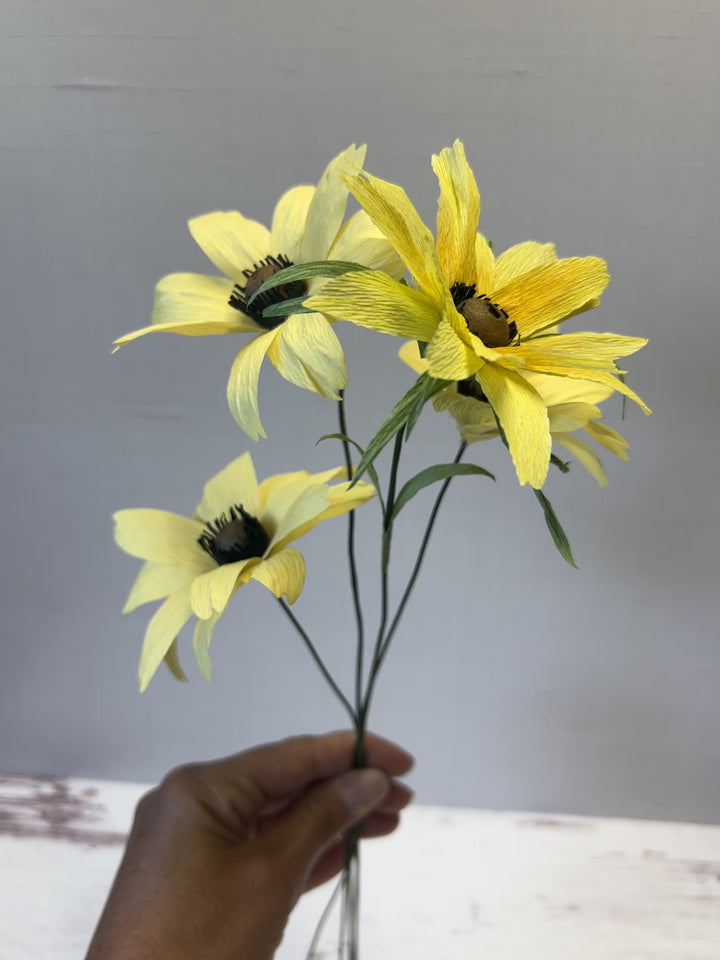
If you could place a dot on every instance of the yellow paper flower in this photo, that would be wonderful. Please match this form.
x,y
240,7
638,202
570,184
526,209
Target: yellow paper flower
x,y
306,226
571,406
239,532
481,316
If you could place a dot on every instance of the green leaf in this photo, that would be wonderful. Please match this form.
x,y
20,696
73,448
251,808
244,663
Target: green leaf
x,y
303,271
395,421
556,531
285,307
563,467
431,388
441,471
372,473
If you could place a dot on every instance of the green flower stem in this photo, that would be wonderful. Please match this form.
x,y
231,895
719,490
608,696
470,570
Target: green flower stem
x,y
318,660
352,565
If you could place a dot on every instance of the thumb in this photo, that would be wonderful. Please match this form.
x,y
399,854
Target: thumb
x,y
322,813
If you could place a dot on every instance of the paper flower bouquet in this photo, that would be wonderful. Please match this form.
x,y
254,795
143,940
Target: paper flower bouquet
x,y
482,332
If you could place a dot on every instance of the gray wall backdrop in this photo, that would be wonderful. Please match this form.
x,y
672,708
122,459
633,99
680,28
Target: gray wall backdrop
x,y
519,682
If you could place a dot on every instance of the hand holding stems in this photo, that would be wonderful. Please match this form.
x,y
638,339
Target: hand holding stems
x,y
220,852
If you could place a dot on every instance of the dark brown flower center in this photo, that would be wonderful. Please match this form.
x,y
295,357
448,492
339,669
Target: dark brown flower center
x,y
238,538
256,277
471,388
483,318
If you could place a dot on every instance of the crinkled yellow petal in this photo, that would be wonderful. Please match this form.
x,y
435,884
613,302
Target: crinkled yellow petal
x,y
306,507
234,484
465,410
172,662
484,266
449,357
457,215
288,223
409,353
523,417
278,493
374,300
282,573
327,209
156,581
584,455
555,390
161,537
230,241
596,350
550,292
307,353
360,241
202,635
608,438
391,211
242,388
521,259
566,417
543,365
210,592
165,624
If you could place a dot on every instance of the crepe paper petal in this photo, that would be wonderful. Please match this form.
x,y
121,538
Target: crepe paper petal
x,y
566,417
597,350
609,439
556,390
550,292
596,376
234,484
521,259
307,353
484,266
524,420
278,493
306,507
242,388
584,455
409,353
161,537
196,298
327,209
165,624
457,215
155,581
360,240
202,635
210,592
391,211
282,573
288,222
172,662
448,356
230,241
380,303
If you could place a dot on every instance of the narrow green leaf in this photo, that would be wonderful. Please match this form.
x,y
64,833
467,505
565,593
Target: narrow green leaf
x,y
441,471
563,467
372,473
395,420
432,387
285,307
303,271
556,531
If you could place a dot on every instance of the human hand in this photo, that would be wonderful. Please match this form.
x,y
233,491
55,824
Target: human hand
x,y
220,852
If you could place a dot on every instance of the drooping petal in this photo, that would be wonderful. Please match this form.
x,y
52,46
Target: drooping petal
x,y
327,209
230,241
521,259
210,592
584,455
457,216
156,581
555,368
234,484
242,388
165,624
282,573
161,537
172,662
288,223
202,634
391,211
307,353
523,417
550,292
374,300
484,266
556,390
595,350
608,438
360,241
566,417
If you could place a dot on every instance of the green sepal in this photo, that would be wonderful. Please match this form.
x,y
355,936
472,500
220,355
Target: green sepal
x,y
285,307
304,271
396,420
556,531
372,473
441,471
562,465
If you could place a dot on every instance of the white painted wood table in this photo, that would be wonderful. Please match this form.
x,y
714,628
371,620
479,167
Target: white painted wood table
x,y
450,885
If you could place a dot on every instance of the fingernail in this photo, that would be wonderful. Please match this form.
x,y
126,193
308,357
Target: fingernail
x,y
362,789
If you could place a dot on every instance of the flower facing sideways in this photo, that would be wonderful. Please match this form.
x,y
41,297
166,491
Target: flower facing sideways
x,y
571,406
239,532
306,226
481,317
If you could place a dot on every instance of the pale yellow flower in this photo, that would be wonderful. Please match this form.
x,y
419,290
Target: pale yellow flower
x,y
239,532
306,226
481,316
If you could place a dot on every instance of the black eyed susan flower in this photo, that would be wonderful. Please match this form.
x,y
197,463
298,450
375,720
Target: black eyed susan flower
x,y
240,531
482,317
306,226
